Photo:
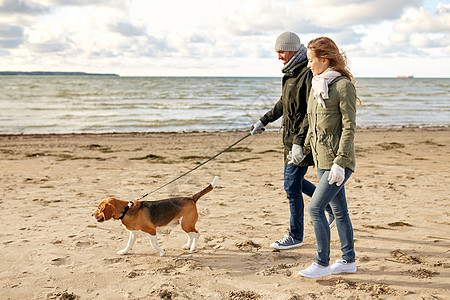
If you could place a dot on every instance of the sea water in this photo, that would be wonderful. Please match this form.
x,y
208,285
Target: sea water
x,y
91,104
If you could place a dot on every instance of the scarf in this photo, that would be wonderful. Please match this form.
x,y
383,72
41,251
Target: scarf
x,y
320,85
296,59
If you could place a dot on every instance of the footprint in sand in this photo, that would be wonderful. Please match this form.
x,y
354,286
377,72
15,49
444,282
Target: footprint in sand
x,y
58,261
84,244
248,246
114,260
164,294
243,295
277,269
422,273
401,257
373,289
62,295
399,224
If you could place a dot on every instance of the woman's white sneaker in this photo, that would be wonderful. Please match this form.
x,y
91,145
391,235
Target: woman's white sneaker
x,y
342,266
315,271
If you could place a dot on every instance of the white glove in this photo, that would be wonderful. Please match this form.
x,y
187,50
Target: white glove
x,y
337,174
257,128
296,154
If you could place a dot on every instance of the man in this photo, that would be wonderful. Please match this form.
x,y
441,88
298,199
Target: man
x,y
296,85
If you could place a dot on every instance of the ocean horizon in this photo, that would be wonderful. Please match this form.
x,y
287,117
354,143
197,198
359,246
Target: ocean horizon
x,y
107,104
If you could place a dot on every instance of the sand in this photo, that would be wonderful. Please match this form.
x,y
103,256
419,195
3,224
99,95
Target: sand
x,y
52,248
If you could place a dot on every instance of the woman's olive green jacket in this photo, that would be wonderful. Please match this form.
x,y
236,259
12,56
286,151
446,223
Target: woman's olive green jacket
x,y
332,129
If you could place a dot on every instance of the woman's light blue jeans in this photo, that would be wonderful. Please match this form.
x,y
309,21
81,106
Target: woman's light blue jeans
x,y
294,184
335,196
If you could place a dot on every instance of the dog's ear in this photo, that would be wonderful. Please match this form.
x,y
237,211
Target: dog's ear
x,y
107,210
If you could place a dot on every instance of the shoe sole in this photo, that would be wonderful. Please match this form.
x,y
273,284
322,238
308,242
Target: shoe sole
x,y
285,247
350,271
312,277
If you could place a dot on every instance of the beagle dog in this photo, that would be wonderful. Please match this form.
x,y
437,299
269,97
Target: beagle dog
x,y
146,216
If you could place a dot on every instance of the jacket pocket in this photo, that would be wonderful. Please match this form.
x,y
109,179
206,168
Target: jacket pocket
x,y
330,143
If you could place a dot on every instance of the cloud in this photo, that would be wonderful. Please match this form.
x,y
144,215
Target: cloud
x,y
190,34
10,31
11,36
262,17
10,43
200,38
52,46
13,7
330,13
421,40
422,29
342,20
114,3
127,29
420,20
311,16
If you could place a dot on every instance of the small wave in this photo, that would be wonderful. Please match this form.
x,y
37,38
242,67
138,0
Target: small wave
x,y
71,104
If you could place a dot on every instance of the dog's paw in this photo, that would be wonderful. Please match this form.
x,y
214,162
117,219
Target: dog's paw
x,y
122,252
162,252
187,247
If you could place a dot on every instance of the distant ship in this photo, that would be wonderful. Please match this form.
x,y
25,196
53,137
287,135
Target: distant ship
x,y
405,76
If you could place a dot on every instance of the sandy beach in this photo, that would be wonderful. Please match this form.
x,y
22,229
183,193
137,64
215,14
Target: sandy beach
x,y
52,248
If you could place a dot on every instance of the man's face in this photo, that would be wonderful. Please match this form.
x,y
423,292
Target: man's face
x,y
285,56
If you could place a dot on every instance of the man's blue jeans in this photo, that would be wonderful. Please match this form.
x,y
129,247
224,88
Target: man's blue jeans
x,y
335,196
294,184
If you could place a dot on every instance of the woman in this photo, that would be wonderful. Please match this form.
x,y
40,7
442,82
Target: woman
x,y
332,120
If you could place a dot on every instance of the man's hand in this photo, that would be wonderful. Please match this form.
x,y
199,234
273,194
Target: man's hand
x,y
337,174
257,128
295,156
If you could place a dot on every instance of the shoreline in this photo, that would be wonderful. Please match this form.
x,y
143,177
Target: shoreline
x,y
374,128
53,248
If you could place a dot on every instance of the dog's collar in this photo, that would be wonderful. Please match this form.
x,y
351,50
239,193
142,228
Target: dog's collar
x,y
126,209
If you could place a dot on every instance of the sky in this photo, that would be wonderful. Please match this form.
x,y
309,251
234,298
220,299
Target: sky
x,y
381,38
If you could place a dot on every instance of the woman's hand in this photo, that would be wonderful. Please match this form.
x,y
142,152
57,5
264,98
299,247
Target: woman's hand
x,y
337,175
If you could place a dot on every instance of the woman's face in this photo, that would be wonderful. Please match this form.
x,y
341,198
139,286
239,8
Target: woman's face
x,y
316,64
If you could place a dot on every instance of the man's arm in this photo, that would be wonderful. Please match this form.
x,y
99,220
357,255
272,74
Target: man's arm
x,y
274,114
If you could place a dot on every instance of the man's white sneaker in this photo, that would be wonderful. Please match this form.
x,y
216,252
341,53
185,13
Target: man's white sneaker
x,y
315,271
342,266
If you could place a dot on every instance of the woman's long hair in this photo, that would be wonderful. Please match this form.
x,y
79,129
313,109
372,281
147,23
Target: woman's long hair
x,y
324,47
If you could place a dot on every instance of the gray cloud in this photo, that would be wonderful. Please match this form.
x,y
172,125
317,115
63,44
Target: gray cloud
x,y
370,11
10,31
11,36
110,3
127,29
347,37
197,38
9,7
322,16
101,54
53,46
11,43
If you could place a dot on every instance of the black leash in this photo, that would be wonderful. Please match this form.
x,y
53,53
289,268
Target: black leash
x,y
225,150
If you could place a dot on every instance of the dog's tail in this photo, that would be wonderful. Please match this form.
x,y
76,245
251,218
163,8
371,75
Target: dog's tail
x,y
206,190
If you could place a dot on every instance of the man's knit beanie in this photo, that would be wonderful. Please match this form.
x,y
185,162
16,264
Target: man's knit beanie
x,y
287,41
